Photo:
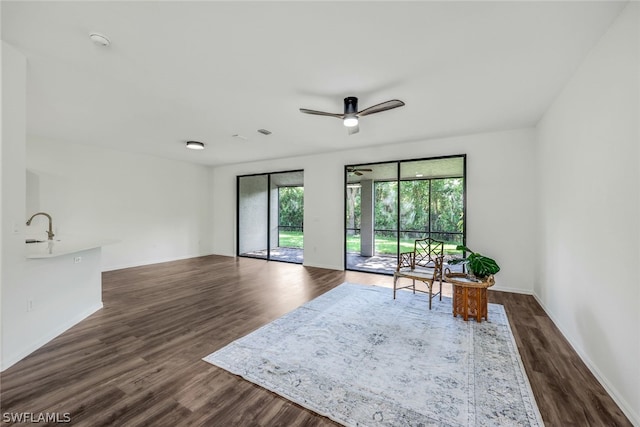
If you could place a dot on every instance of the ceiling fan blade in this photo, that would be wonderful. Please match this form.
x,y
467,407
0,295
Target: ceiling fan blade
x,y
365,170
321,113
383,106
353,129
357,173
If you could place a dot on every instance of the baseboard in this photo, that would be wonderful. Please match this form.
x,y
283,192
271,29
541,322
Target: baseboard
x,y
612,391
328,267
15,358
512,290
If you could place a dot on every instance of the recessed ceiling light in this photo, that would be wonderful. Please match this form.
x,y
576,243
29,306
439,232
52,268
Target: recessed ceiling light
x,y
195,145
99,39
419,175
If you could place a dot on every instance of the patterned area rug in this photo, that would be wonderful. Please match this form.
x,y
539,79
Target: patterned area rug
x,y
361,358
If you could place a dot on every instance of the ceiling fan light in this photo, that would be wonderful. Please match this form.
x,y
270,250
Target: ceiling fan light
x,y
350,121
195,145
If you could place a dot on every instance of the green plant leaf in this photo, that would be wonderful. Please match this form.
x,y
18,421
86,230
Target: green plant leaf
x,y
482,266
478,264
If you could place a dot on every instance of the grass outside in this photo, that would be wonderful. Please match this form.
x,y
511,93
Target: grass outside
x,y
387,245
290,239
384,245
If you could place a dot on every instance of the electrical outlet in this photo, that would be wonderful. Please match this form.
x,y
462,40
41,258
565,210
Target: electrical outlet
x,y
77,260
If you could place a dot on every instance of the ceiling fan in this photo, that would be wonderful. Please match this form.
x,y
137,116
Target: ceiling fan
x,y
351,114
358,171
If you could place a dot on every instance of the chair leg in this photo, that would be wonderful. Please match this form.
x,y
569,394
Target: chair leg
x,y
395,280
430,286
414,286
441,289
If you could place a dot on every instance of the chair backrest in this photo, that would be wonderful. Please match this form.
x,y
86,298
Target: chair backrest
x,y
428,252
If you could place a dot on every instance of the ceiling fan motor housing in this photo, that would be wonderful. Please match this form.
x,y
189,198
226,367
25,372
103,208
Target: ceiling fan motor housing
x,y
350,105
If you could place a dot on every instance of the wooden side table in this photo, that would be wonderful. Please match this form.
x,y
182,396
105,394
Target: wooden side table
x,y
469,296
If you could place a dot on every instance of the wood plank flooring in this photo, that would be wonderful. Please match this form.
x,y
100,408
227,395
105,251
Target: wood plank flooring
x,y
137,361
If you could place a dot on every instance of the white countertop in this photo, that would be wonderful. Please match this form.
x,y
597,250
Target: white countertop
x,y
63,246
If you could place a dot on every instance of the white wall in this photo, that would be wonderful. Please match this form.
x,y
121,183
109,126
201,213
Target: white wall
x,y
588,162
14,66
158,209
500,199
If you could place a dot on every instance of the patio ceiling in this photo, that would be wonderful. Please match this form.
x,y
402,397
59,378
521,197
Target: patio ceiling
x,y
416,169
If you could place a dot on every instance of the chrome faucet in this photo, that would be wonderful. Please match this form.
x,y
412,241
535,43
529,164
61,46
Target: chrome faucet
x,y
50,232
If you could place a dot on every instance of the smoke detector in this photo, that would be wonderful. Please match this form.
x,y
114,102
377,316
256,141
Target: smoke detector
x,y
99,39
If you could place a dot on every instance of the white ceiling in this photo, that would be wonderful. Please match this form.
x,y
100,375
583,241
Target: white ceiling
x,y
204,70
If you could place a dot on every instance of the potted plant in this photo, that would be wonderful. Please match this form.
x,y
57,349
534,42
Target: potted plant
x,y
477,264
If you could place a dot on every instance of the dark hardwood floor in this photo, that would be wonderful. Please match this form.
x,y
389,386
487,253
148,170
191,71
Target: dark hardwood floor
x,y
138,360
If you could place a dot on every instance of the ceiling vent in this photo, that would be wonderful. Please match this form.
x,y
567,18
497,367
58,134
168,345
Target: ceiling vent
x,y
264,131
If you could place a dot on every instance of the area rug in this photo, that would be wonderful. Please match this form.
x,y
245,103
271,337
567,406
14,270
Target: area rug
x,y
361,358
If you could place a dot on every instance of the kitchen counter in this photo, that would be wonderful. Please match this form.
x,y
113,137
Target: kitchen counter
x,y
64,246
60,283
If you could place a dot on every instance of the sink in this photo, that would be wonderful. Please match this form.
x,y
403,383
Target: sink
x,y
33,241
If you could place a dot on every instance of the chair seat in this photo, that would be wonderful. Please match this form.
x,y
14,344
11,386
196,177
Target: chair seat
x,y
419,273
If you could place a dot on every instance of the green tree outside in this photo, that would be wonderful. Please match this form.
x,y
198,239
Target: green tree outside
x,y
441,214
291,206
291,216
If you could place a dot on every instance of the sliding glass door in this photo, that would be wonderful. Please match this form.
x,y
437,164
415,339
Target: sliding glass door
x,y
270,212
286,217
371,231
253,216
390,205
